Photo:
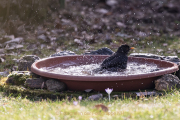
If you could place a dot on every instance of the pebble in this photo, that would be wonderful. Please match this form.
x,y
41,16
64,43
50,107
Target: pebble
x,y
95,97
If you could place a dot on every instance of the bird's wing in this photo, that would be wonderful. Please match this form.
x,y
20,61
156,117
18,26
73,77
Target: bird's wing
x,y
117,61
108,59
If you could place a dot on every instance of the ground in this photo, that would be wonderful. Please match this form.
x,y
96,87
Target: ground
x,y
148,25
151,26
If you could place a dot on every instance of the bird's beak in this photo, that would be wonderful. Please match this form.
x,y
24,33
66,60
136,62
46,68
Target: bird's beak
x,y
132,48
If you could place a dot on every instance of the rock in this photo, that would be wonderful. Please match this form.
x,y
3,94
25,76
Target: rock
x,y
165,44
88,90
167,82
14,47
173,59
54,85
102,11
111,3
35,83
16,40
1,51
63,53
2,60
95,97
19,46
40,32
120,24
153,93
102,51
18,77
78,42
42,37
32,46
119,34
9,36
146,55
5,73
26,61
142,34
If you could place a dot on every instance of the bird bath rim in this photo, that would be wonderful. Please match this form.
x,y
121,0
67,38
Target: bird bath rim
x,y
35,68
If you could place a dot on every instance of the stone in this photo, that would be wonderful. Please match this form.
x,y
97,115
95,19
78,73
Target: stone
x,y
26,61
16,40
42,37
63,53
148,93
102,11
1,51
145,55
111,3
35,83
19,46
55,85
32,46
167,82
142,34
5,73
9,36
119,34
14,47
18,77
78,42
88,90
120,24
102,51
2,60
173,59
95,97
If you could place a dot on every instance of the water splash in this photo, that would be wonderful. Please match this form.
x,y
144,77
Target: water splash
x,y
133,68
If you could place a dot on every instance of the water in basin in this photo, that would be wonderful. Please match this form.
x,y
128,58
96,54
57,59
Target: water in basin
x,y
133,68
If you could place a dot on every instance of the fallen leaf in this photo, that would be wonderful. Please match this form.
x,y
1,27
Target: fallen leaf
x,y
102,107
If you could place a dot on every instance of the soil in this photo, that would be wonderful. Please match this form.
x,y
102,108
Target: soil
x,y
149,25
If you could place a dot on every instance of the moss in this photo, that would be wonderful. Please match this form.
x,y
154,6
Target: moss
x,y
16,78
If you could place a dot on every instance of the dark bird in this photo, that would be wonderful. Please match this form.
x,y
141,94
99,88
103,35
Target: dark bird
x,y
117,61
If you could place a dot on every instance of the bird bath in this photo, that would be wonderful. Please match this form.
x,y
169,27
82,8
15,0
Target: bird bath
x,y
100,83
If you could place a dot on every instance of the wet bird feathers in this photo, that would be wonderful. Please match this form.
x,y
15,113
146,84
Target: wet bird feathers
x,y
116,60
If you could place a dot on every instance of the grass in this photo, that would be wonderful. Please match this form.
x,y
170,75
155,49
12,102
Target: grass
x,y
166,107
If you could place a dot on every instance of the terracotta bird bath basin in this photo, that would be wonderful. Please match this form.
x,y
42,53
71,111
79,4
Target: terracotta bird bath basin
x,y
100,83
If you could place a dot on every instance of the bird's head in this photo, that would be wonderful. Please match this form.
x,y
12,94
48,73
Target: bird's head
x,y
124,49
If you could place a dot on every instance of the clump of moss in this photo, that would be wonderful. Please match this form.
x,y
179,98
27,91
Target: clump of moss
x,y
3,81
18,78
